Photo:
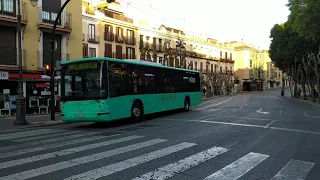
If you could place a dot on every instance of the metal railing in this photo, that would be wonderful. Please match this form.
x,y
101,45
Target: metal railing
x,y
48,17
8,8
93,38
108,36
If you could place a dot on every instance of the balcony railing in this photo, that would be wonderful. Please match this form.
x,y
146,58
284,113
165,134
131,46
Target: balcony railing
x,y
44,57
108,36
130,41
93,38
119,39
160,48
48,17
9,57
8,10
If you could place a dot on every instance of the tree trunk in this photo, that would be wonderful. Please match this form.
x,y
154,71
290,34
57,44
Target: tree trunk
x,y
304,90
318,87
290,86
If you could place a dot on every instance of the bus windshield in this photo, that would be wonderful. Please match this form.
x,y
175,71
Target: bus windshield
x,y
83,81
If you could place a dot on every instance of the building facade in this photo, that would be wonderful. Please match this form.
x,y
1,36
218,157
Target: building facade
x,y
254,67
107,32
118,36
37,23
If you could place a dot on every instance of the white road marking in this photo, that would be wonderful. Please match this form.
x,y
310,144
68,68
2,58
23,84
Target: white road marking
x,y
44,136
268,125
45,147
238,168
82,160
65,152
264,113
294,170
182,165
305,114
27,134
226,123
295,130
214,104
120,166
215,109
238,117
240,108
37,143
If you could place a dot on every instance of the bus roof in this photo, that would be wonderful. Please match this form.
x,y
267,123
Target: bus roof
x,y
130,61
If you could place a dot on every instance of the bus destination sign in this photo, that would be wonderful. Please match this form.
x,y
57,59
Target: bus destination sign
x,y
83,66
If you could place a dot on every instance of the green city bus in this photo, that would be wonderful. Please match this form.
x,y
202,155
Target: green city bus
x,y
107,89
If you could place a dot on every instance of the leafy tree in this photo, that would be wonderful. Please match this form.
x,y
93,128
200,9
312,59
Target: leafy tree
x,y
305,18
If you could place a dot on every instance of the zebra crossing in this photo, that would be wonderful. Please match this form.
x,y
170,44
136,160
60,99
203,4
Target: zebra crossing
x,y
31,149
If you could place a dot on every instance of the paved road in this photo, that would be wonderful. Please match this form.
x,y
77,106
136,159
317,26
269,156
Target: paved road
x,y
253,136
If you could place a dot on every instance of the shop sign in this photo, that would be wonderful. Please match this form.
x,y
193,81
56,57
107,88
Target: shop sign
x,y
4,75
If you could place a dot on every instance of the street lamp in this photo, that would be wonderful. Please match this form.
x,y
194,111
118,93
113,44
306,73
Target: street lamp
x,y
20,112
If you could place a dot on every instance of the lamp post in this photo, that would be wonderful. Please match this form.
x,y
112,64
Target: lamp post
x,y
20,113
52,63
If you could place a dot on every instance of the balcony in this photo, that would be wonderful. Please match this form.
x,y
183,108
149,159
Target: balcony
x,y
108,36
44,57
160,48
119,39
8,13
93,39
130,41
47,18
9,58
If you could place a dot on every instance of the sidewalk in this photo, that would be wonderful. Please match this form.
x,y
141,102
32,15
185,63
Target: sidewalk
x,y
33,121
309,99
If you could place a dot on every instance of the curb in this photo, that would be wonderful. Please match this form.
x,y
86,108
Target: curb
x,y
305,101
43,124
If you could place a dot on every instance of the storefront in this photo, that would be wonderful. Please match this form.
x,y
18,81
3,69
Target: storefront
x,y
36,88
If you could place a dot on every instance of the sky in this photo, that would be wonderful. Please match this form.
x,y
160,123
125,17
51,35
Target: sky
x,y
250,20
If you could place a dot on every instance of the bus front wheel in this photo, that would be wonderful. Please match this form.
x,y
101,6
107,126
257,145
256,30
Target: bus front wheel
x,y
186,104
136,112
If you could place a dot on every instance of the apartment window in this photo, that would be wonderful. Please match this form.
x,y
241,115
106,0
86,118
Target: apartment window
x,y
8,6
141,41
85,50
130,53
201,64
226,69
220,54
92,31
220,69
226,55
130,37
160,44
231,70
119,35
231,56
195,65
250,63
160,60
154,41
211,68
119,52
108,50
92,52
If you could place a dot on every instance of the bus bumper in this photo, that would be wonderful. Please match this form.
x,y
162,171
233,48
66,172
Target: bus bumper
x,y
86,117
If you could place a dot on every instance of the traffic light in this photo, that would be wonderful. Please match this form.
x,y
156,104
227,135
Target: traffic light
x,y
47,70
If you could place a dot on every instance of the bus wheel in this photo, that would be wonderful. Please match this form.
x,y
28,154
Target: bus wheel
x,y
186,104
136,112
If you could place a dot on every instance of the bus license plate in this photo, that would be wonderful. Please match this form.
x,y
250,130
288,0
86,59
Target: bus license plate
x,y
80,116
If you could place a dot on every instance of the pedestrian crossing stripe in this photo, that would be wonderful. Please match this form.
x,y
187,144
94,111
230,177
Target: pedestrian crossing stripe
x,y
293,170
